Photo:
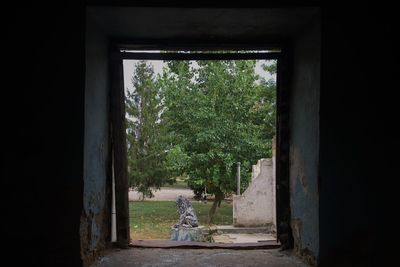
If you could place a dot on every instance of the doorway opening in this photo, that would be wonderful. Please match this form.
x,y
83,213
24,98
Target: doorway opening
x,y
199,122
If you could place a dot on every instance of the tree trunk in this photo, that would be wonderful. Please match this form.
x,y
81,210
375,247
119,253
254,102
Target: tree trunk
x,y
218,198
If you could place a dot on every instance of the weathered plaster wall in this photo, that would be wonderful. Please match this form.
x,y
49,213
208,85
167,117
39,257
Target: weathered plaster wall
x,y
304,144
256,206
94,221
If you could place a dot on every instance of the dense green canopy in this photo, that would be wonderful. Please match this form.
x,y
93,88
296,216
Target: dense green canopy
x,y
199,119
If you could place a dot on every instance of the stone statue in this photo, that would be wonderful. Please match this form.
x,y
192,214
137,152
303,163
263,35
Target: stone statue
x,y
187,215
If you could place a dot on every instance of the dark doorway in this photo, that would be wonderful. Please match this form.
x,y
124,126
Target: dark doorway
x,y
119,53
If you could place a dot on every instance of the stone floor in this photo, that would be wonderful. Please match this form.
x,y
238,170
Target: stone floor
x,y
230,229
197,257
242,238
231,234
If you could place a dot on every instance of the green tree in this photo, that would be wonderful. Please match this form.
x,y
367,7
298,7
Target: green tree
x,y
145,131
266,104
219,114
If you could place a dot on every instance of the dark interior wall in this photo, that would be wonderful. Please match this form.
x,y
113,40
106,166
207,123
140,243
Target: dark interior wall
x,y
95,220
358,140
304,142
43,58
43,122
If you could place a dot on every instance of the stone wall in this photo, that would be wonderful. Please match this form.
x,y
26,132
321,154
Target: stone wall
x,y
256,206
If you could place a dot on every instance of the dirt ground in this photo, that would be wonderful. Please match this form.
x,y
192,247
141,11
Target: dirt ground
x,y
197,257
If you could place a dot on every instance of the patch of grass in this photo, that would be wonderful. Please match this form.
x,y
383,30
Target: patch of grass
x,y
153,219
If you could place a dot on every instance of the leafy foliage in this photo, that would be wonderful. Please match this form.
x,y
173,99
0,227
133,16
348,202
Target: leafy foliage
x,y
145,131
219,115
198,119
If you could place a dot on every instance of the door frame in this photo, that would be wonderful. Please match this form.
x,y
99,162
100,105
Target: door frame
x,y
118,130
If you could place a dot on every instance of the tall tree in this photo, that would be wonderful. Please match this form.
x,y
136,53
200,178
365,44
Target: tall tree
x,y
217,115
146,153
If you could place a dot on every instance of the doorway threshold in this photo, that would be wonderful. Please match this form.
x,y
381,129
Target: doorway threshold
x,y
267,244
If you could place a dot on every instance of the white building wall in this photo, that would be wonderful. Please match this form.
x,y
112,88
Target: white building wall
x,y
256,206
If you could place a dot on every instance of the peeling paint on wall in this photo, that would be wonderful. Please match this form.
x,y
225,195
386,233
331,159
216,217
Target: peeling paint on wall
x,y
304,145
95,216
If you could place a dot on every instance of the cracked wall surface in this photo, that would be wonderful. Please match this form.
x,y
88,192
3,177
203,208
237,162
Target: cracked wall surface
x,y
94,229
304,144
256,206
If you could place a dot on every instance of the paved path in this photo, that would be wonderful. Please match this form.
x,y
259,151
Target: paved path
x,y
242,238
165,193
197,257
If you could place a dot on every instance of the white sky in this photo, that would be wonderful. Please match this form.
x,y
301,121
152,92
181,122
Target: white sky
x,y
129,67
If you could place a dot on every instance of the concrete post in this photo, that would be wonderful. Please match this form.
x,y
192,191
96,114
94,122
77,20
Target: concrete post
x,y
238,178
113,209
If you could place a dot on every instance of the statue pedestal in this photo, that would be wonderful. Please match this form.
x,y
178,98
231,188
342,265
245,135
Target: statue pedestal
x,y
186,234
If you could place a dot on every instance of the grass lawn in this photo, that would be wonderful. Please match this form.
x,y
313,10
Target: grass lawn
x,y
153,219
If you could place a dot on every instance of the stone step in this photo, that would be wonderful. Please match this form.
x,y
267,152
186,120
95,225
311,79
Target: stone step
x,y
187,234
230,229
243,238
